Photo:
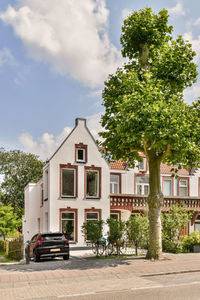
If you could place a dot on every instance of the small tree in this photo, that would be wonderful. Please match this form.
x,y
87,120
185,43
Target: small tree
x,y
115,234
173,223
92,231
138,231
18,169
8,220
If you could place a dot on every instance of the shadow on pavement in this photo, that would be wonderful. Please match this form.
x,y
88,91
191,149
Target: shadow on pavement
x,y
74,263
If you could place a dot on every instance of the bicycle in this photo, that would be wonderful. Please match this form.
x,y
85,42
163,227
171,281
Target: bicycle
x,y
99,246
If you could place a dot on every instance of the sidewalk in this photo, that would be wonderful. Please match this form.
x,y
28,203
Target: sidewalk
x,y
81,273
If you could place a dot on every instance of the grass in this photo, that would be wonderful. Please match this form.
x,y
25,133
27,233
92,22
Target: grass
x,y
115,256
4,258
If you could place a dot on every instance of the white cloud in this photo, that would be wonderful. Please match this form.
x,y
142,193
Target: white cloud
x,y
193,93
195,44
197,22
47,144
125,13
70,36
6,58
177,10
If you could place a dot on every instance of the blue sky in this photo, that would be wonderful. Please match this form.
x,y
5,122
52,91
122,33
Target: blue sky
x,y
55,56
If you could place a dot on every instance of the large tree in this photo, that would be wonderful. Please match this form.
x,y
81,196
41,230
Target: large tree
x,y
144,106
18,169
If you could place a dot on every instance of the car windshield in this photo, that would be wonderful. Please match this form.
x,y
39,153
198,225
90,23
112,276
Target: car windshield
x,y
51,237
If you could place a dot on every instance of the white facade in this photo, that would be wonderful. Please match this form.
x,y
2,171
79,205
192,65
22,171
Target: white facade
x,y
49,213
49,206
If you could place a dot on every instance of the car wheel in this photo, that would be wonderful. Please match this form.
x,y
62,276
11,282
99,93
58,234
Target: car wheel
x,y
65,257
36,257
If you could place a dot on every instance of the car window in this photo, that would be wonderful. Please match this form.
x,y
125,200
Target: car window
x,y
51,237
34,238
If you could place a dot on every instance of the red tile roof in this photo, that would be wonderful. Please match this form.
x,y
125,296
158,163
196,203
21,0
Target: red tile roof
x,y
118,164
165,169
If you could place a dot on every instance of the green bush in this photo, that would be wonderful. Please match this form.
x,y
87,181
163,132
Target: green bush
x,y
2,246
15,249
172,246
190,241
116,232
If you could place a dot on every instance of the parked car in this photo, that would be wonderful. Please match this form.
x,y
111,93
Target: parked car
x,y
47,245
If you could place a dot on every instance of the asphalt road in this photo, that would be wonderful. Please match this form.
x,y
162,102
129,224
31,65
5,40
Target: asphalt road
x,y
167,287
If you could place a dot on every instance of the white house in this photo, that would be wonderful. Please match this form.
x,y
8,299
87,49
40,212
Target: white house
x,y
79,185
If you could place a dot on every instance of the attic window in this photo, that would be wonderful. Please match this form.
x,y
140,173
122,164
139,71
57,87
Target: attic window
x,y
142,165
81,153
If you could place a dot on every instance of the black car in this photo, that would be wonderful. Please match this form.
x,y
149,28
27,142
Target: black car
x,y
47,245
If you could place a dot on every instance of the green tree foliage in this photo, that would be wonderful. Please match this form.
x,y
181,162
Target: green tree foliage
x,y
191,240
92,231
138,231
144,106
173,223
116,232
18,169
8,220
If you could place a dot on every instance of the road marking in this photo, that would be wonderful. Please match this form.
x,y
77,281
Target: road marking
x,y
77,295
131,289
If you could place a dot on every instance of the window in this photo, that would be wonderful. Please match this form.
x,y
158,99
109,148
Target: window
x,y
41,195
142,185
92,216
197,223
115,183
114,216
167,187
46,185
68,181
46,222
93,182
68,225
142,165
183,187
81,153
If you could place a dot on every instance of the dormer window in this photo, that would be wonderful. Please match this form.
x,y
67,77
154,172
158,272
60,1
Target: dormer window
x,y
142,165
81,153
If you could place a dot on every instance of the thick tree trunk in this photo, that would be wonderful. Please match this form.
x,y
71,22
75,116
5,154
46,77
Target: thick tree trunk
x,y
155,202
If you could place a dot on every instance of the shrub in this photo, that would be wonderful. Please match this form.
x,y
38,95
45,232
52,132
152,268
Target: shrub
x,y
92,230
172,246
116,232
15,249
138,231
2,246
190,241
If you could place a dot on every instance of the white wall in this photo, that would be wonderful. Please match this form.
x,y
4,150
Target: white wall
x,y
65,155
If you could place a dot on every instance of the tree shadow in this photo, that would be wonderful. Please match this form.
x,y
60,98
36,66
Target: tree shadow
x,y
74,263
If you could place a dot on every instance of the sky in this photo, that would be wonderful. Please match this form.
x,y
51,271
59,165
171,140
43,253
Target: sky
x,y
55,56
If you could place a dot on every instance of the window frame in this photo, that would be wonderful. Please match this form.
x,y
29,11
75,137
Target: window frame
x,y
187,179
75,212
93,169
119,182
142,184
172,185
92,210
144,161
75,169
84,148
